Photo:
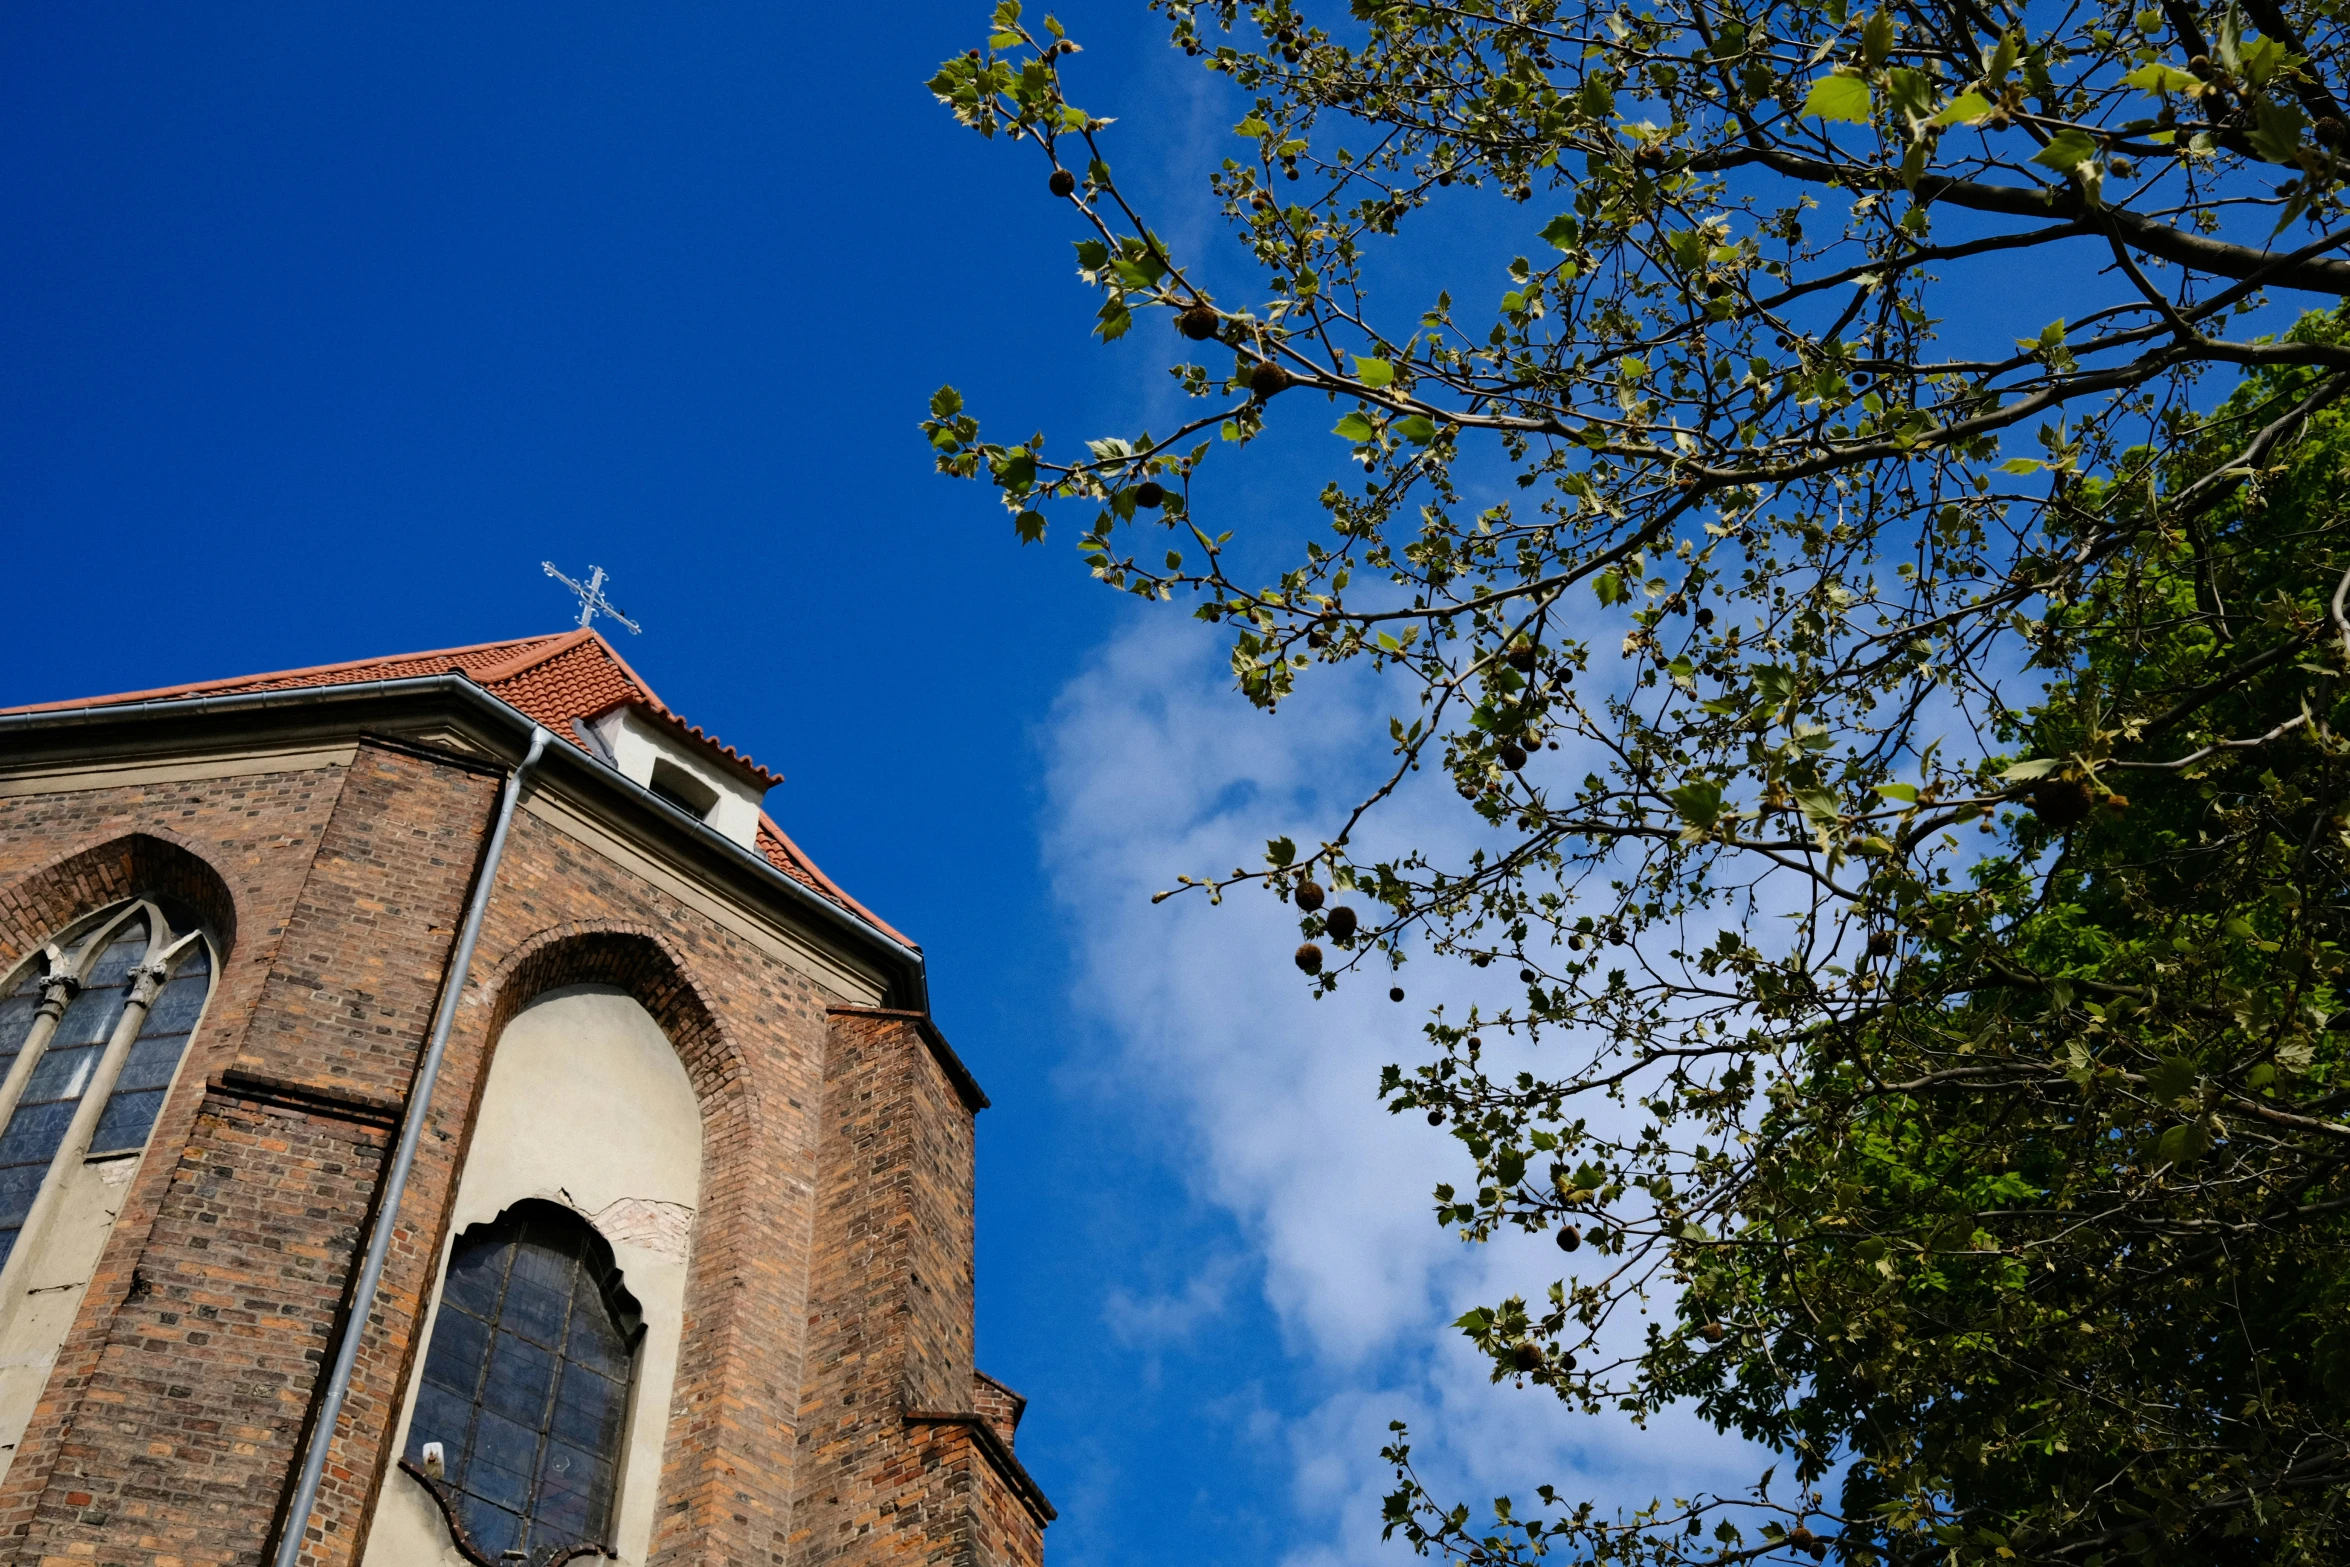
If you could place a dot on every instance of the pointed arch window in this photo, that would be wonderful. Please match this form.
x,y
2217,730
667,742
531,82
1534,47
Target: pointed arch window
x,y
92,1031
525,1392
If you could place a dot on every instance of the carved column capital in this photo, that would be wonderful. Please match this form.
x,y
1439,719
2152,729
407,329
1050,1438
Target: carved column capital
x,y
57,988
145,980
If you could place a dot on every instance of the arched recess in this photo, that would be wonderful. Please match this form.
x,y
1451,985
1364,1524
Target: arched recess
x,y
35,906
641,961
570,1022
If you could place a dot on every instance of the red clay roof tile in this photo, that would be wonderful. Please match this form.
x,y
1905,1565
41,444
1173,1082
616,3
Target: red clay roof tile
x,y
551,679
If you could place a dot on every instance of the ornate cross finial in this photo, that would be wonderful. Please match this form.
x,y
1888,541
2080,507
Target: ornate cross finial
x,y
591,597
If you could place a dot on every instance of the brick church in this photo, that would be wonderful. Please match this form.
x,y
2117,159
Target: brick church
x,y
443,1119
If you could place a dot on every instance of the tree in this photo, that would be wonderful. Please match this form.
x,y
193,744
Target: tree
x,y
1928,932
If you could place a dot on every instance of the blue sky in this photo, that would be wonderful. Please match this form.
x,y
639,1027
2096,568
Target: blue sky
x,y
325,325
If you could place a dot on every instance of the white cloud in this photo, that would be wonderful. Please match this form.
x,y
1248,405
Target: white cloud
x,y
1268,1098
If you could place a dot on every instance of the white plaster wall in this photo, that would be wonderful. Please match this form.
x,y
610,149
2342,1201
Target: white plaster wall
x,y
635,741
58,1279
587,1105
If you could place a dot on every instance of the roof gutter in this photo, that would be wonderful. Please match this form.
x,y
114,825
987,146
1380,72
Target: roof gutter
x,y
509,717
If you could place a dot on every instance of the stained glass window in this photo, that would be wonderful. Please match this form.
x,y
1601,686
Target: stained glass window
x,y
526,1383
41,1095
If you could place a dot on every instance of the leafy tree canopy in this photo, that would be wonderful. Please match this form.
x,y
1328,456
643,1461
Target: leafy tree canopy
x,y
1904,730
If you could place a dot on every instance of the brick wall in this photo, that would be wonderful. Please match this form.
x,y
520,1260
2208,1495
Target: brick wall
x,y
895,1459
815,1319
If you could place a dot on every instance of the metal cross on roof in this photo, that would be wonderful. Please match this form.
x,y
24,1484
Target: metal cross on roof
x,y
591,597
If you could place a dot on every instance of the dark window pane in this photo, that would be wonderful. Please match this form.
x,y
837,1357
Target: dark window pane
x,y
16,1021
588,1409
196,960
19,1185
523,1301
90,1017
62,1074
7,1243
176,1005
533,1310
441,1416
125,1122
151,1062
458,1345
30,983
504,1454
474,1276
595,1343
495,1531
521,1376
543,1265
34,1133
568,1488
128,946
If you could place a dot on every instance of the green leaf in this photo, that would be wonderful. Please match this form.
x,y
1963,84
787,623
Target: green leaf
x,y
2171,1078
1843,98
1876,39
945,403
1356,428
1561,232
1609,587
1968,108
1141,272
1997,62
1821,805
1029,525
1907,794
1417,429
1281,853
1016,471
1909,92
2276,130
1092,254
2022,465
2183,1145
1699,801
2067,152
2038,767
2159,78
1373,372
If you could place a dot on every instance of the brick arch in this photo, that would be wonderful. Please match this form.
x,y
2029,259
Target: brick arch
x,y
715,1354
35,907
641,961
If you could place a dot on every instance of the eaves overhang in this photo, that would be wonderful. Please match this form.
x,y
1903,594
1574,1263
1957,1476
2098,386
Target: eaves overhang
x,y
452,714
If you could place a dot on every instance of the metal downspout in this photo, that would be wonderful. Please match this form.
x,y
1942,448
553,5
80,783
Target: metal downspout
x,y
379,1239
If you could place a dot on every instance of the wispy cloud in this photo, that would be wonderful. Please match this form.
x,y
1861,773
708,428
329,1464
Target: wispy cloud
x,y
1267,1098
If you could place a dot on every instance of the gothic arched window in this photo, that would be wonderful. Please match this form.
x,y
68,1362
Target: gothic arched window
x,y
91,1033
525,1389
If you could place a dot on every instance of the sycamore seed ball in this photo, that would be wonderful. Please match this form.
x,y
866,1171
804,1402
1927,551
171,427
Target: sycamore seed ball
x,y
1063,183
1309,958
1148,493
1309,896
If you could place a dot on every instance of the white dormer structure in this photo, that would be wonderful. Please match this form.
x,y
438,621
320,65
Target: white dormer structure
x,y
650,750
